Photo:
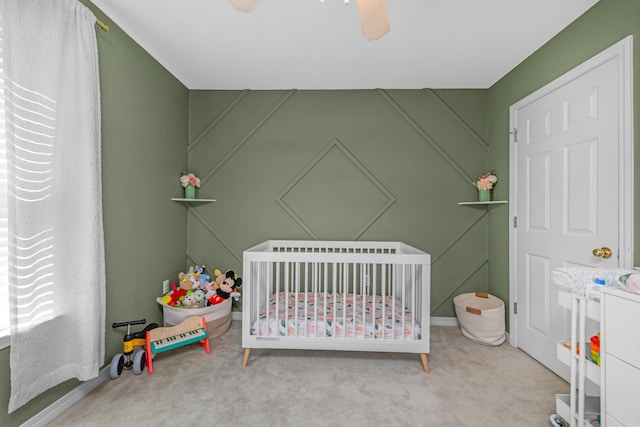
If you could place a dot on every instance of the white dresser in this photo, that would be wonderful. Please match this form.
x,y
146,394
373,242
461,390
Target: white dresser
x,y
620,358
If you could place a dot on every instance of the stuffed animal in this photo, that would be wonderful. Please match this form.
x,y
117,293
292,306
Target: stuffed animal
x,y
177,297
209,289
226,287
173,298
189,300
189,280
198,296
203,276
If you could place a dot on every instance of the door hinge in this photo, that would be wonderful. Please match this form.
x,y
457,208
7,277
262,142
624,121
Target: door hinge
x,y
514,132
515,308
515,222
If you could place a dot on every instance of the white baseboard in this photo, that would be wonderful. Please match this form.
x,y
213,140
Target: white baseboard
x,y
54,410
453,321
444,321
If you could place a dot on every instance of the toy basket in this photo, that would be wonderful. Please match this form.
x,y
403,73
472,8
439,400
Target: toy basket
x,y
481,317
218,316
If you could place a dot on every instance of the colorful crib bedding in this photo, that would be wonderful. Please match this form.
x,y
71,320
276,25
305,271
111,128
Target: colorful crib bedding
x,y
290,314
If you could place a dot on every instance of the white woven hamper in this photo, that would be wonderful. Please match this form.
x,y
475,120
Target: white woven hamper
x,y
481,317
218,316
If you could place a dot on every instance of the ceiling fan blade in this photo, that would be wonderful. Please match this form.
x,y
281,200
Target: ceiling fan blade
x,y
374,19
244,5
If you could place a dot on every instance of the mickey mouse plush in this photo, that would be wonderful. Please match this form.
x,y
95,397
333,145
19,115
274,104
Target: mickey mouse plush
x,y
227,285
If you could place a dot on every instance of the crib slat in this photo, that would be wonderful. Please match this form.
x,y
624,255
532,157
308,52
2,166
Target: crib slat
x,y
264,275
296,297
384,298
335,295
404,291
278,284
287,272
374,293
414,302
364,281
344,291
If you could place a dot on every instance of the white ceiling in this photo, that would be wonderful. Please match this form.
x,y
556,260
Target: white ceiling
x,y
305,44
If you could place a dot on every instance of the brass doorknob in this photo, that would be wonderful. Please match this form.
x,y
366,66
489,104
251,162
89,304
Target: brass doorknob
x,y
603,252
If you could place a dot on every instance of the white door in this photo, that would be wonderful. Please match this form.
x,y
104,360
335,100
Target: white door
x,y
565,195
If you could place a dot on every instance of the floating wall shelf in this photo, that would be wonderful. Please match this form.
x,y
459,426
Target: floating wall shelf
x,y
493,202
180,199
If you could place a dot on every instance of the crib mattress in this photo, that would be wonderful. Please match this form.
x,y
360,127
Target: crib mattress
x,y
309,314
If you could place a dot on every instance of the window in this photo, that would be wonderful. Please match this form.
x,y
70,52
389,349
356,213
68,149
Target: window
x,y
4,272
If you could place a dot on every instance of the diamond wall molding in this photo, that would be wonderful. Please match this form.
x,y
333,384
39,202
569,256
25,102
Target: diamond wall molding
x,y
322,156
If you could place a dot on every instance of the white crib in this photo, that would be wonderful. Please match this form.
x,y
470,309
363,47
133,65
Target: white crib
x,y
336,295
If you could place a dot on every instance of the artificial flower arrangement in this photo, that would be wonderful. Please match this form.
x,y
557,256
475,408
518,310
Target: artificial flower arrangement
x,y
188,178
486,181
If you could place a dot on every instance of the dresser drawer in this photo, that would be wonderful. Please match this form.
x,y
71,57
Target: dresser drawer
x,y
621,333
621,390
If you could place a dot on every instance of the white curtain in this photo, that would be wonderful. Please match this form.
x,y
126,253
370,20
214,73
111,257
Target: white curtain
x,y
56,249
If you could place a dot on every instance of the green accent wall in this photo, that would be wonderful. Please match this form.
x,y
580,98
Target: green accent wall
x,y
342,165
362,164
144,128
606,23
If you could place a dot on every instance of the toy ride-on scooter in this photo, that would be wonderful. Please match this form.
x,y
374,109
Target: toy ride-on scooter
x,y
134,344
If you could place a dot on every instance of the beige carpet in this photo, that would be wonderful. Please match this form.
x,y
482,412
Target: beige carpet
x,y
469,385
